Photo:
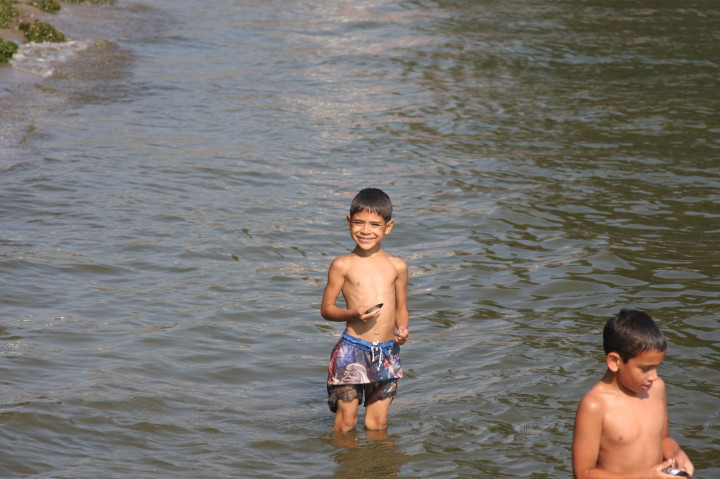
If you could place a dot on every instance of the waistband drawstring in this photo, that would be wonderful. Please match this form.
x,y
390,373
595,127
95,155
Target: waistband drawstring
x,y
375,348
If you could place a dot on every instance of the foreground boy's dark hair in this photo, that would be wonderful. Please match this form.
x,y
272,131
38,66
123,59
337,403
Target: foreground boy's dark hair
x,y
632,332
374,201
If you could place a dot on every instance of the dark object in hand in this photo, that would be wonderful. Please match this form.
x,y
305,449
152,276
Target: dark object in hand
x,y
675,472
373,308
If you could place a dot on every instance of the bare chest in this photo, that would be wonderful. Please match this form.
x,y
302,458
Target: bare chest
x,y
635,421
377,275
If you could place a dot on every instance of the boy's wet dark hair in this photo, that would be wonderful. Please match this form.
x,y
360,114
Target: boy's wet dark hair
x,y
374,201
632,332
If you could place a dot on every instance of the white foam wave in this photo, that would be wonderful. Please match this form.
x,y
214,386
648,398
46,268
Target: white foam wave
x,y
42,59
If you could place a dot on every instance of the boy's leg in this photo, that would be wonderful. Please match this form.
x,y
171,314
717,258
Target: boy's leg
x,y
376,414
346,415
379,398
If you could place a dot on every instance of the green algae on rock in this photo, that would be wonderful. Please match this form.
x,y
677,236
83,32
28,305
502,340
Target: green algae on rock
x,y
41,32
89,1
7,13
7,50
49,6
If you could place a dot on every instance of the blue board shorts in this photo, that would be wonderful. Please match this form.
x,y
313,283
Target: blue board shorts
x,y
359,367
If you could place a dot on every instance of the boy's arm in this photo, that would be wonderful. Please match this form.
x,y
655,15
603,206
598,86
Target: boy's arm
x,y
402,316
335,282
586,438
670,448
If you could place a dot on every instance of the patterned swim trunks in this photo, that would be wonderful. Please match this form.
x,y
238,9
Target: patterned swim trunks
x,y
373,392
358,366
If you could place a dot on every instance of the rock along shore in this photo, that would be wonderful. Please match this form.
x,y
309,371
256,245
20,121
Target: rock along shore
x,y
19,23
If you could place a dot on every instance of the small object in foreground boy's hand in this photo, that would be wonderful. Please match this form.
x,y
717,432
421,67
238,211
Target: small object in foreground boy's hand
x,y
675,472
374,308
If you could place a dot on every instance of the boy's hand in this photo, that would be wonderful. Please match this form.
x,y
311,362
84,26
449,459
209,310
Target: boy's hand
x,y
681,461
673,463
362,314
401,335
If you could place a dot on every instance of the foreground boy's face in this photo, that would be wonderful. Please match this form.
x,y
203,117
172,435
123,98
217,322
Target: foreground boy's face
x,y
638,373
368,228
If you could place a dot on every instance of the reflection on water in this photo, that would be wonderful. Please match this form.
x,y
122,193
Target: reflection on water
x,y
171,198
367,454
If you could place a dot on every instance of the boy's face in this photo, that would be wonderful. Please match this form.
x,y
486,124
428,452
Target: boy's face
x,y
368,228
638,373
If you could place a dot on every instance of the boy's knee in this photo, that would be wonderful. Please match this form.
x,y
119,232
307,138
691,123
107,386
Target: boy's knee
x,y
376,415
375,424
344,424
346,415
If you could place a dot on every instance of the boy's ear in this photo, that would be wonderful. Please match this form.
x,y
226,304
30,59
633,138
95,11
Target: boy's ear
x,y
388,226
349,220
613,361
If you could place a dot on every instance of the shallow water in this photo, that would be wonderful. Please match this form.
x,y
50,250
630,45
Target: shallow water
x,y
174,188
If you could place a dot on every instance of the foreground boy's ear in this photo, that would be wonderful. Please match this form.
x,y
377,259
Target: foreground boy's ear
x,y
613,361
389,225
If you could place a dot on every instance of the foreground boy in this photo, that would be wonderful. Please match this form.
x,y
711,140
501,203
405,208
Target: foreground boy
x,y
621,426
366,360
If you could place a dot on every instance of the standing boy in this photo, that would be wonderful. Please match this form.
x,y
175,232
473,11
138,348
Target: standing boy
x,y
621,426
366,360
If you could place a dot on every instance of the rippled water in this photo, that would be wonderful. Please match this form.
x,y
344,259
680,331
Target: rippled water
x,y
173,188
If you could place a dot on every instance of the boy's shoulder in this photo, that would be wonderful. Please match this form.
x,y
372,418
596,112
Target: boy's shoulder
x,y
600,398
595,400
341,262
398,262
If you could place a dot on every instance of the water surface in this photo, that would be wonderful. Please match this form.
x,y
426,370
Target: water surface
x,y
173,187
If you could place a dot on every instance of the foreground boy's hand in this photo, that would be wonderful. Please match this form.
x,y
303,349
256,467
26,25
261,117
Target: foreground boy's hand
x,y
401,335
676,457
658,471
683,462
